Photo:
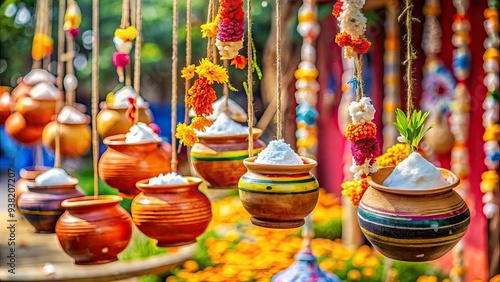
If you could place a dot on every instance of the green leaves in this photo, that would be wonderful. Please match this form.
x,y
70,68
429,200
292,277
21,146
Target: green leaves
x,y
412,129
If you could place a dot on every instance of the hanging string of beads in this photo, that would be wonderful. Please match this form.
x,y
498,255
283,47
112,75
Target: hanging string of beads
x,y
175,22
72,21
95,92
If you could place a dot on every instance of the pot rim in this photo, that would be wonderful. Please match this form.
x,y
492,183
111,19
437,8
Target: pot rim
x,y
71,185
449,175
308,165
119,140
88,201
31,169
257,132
192,181
104,106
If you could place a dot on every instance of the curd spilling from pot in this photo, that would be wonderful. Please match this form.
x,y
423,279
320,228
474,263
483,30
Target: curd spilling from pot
x,y
278,153
141,132
224,125
168,178
54,176
70,114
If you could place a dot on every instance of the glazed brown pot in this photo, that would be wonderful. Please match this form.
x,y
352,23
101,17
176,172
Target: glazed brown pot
x,y
94,230
74,138
39,112
173,214
27,174
111,121
412,225
279,196
41,205
18,128
218,159
122,165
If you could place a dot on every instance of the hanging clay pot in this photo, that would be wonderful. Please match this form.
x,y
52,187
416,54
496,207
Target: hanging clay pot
x,y
5,104
36,112
113,121
41,205
24,133
440,138
94,230
122,165
173,214
279,196
412,225
74,138
218,159
27,174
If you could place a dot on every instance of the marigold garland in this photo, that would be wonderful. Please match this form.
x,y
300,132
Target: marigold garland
x,y
188,72
186,134
354,190
72,19
394,155
42,46
231,28
355,132
123,42
200,97
211,72
200,123
352,25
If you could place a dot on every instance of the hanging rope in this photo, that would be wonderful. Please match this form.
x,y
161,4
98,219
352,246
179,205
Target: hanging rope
x,y
38,30
70,68
279,122
48,31
60,45
209,19
188,57
95,92
174,87
137,63
226,86
410,54
57,151
250,78
124,24
132,12
360,90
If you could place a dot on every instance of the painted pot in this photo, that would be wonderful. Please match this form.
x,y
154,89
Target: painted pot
x,y
41,205
219,159
122,165
27,174
279,196
173,214
94,230
412,225
18,128
74,138
113,121
36,112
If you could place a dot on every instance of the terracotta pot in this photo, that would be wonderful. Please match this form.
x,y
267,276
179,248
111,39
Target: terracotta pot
x,y
24,133
111,121
94,230
5,104
21,90
412,225
36,112
27,174
41,205
122,165
173,214
440,138
219,159
279,196
74,138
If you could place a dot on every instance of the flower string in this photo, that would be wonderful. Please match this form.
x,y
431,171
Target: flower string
x,y
175,22
123,40
72,20
231,28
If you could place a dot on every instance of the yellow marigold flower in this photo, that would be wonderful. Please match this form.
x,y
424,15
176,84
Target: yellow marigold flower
x,y
209,29
394,155
200,123
355,132
188,72
42,46
186,134
354,190
212,72
126,34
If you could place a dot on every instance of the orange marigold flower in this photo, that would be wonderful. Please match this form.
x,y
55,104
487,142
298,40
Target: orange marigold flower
x,y
188,72
354,190
212,72
355,132
239,62
186,134
200,97
394,155
42,46
343,39
337,8
360,45
200,123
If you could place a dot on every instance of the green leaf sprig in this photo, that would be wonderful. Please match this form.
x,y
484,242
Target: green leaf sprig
x,y
412,128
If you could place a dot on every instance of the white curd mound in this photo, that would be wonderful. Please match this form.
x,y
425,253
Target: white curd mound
x,y
141,132
280,153
168,178
54,176
38,75
69,114
415,172
45,91
225,125
120,100
230,108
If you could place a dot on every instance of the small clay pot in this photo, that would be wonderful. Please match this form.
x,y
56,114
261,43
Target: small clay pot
x,y
94,230
111,121
74,138
173,214
18,128
36,112
412,225
218,159
440,138
27,174
41,205
279,196
122,165
5,104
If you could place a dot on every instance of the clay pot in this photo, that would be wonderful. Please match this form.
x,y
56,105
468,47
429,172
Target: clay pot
x,y
5,105
111,121
28,174
440,138
279,196
74,138
219,159
24,133
173,214
41,205
36,112
94,230
122,165
412,225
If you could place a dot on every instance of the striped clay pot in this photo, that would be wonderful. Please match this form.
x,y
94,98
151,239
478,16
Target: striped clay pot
x,y
173,214
413,225
279,196
218,159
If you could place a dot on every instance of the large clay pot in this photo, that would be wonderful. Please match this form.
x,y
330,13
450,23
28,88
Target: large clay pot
x,y
122,165
74,138
94,230
218,159
41,205
279,196
27,174
412,225
24,133
5,104
111,121
36,112
173,214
